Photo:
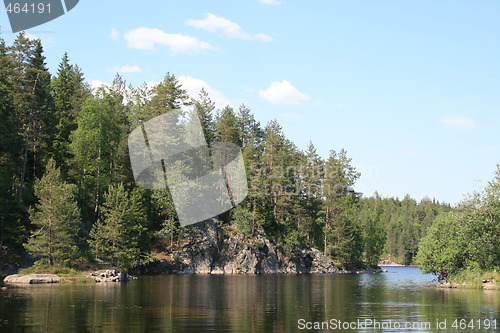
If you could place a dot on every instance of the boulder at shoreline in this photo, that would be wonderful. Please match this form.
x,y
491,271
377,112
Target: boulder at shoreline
x,y
31,279
111,275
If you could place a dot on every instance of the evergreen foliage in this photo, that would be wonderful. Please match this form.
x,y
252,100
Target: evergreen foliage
x,y
56,219
118,237
78,140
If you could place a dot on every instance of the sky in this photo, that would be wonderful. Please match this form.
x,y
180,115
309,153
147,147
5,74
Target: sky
x,y
411,89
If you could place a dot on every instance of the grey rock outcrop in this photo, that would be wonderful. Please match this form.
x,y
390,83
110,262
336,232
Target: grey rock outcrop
x,y
237,254
31,279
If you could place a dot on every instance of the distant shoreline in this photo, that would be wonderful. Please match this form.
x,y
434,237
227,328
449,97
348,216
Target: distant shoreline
x,y
397,265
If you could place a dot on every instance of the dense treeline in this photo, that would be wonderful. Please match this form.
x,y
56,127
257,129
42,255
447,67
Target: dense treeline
x,y
67,194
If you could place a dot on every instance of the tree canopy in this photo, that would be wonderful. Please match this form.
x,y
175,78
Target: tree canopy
x,y
67,190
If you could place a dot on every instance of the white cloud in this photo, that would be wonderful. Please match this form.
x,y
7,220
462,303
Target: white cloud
x,y
457,122
270,2
146,38
193,87
262,37
96,84
114,34
282,93
125,69
228,28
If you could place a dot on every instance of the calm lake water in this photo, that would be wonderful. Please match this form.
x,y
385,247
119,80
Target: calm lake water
x,y
391,302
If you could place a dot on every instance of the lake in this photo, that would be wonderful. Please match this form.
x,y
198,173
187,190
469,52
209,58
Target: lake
x,y
405,301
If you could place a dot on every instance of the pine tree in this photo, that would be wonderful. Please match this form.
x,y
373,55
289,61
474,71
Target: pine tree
x,y
311,177
118,237
249,129
248,216
33,105
280,159
56,218
273,157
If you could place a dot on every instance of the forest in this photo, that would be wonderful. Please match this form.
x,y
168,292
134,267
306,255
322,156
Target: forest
x,y
68,196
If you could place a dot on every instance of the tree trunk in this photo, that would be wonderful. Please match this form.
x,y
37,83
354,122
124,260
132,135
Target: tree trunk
x,y
326,229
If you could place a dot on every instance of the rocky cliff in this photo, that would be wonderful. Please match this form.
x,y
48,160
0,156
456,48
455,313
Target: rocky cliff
x,y
235,253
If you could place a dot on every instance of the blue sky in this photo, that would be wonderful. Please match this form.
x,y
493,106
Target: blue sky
x,y
411,89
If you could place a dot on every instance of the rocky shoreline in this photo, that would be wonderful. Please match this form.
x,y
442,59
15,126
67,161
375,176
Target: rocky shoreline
x,y
449,285
233,253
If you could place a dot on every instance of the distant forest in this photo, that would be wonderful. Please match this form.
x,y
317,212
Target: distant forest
x,y
67,194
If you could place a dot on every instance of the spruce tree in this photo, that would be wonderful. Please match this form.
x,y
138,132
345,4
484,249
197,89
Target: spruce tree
x,y
118,237
69,91
56,218
372,218
204,108
168,95
227,126
341,233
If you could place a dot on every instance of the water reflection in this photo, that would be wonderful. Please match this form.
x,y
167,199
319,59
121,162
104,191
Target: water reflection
x,y
269,303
